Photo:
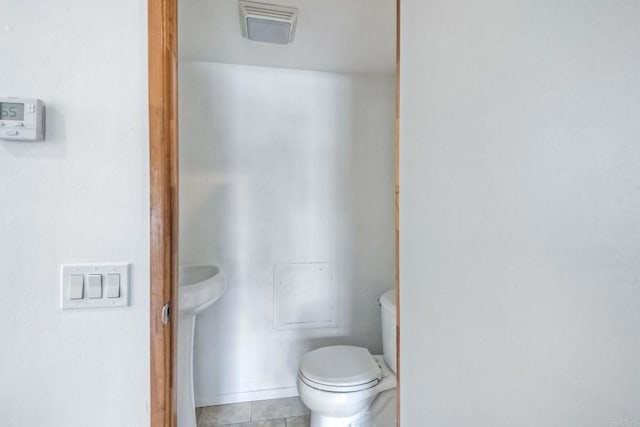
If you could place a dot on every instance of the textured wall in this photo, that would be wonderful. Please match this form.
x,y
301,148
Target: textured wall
x,y
520,239
80,196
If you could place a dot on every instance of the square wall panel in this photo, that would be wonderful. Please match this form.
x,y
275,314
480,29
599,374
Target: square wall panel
x,y
305,296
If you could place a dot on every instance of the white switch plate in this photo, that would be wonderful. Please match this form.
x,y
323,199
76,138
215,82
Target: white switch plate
x,y
86,270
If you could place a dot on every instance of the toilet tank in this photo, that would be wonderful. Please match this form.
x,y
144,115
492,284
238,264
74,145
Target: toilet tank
x,y
388,311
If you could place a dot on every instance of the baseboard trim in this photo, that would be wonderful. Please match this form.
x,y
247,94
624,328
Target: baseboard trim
x,y
246,396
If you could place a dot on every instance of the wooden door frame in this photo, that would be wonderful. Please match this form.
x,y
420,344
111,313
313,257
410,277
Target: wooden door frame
x,y
163,170
397,242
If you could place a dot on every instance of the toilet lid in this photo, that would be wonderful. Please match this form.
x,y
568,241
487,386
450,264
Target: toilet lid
x,y
340,366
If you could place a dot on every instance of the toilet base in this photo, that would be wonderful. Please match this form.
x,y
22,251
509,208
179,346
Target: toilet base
x,y
318,420
381,413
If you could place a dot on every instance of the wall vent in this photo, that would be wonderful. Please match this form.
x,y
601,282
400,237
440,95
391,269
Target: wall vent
x,y
305,296
267,22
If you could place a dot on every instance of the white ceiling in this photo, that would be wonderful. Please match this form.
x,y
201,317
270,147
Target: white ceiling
x,y
332,35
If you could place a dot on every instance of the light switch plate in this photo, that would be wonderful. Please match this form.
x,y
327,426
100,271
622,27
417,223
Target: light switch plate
x,y
89,271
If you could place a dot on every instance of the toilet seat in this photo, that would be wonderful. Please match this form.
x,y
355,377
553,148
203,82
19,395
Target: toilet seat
x,y
338,388
340,368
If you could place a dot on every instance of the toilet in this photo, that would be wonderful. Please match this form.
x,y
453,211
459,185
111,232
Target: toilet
x,y
339,383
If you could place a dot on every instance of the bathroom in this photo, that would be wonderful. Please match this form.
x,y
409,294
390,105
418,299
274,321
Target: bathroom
x,y
519,237
287,185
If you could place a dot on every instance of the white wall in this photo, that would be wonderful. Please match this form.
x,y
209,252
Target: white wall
x,y
280,166
80,196
520,231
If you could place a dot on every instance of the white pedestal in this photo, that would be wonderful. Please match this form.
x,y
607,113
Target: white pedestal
x,y
186,401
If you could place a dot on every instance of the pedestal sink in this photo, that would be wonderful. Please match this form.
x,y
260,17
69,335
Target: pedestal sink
x,y
199,287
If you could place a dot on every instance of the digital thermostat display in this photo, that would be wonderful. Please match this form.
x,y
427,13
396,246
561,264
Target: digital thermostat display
x,y
11,111
21,119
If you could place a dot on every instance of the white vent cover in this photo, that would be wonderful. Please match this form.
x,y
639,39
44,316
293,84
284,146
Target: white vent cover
x,y
267,22
305,296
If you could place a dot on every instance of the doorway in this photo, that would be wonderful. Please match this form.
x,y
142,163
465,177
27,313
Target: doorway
x,y
163,63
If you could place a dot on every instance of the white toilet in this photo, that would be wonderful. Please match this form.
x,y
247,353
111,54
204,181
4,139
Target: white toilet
x,y
339,383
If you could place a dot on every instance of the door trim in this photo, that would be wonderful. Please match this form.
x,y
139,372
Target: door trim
x,y
397,149
163,170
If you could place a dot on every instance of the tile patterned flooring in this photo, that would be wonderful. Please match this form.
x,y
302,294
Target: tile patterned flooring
x,y
287,412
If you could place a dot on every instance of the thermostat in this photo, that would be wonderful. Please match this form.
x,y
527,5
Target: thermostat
x,y
21,119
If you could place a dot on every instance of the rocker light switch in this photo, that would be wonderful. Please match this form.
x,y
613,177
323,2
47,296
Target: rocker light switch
x,y
76,286
113,285
94,285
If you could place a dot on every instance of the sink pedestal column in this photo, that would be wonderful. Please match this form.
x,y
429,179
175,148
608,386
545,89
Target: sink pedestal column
x,y
186,401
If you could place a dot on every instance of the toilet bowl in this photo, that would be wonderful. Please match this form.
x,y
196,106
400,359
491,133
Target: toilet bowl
x,y
339,383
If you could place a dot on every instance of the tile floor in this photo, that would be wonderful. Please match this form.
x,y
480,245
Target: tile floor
x,y
287,412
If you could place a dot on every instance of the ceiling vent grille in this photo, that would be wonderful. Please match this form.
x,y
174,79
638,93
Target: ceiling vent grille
x,y
267,22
